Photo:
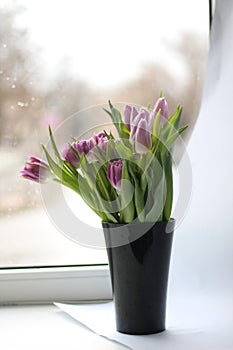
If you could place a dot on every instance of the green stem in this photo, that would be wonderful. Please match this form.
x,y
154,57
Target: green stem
x,y
169,188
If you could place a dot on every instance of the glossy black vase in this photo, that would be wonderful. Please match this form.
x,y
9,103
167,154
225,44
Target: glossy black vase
x,y
139,258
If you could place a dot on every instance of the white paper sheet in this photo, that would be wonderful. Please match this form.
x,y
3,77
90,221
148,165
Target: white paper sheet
x,y
194,324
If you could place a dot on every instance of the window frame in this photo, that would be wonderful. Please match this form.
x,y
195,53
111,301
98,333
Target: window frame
x,y
41,285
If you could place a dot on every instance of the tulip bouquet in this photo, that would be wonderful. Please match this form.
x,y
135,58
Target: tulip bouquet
x,y
123,178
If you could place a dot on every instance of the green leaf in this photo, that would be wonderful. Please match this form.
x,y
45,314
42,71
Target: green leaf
x,y
175,119
90,198
124,150
68,179
56,169
181,130
100,151
109,136
75,152
103,183
115,115
172,124
168,145
156,129
66,185
156,124
104,207
69,169
109,113
54,146
154,201
124,130
83,163
139,194
109,149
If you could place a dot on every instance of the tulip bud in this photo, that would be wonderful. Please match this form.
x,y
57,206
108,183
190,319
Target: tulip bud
x,y
161,105
142,137
114,173
100,137
130,112
101,140
141,131
127,114
134,125
83,146
36,169
69,155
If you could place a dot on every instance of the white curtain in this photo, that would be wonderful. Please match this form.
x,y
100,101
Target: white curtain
x,y
203,253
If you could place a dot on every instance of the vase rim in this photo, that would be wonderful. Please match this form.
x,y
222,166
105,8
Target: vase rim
x,y
171,220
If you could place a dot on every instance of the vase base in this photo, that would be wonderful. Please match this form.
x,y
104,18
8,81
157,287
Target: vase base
x,y
141,332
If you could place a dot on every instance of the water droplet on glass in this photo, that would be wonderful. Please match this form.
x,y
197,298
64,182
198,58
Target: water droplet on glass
x,y
13,86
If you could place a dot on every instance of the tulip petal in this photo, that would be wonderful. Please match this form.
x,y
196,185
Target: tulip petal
x,y
114,173
162,105
134,126
143,140
35,169
133,115
127,115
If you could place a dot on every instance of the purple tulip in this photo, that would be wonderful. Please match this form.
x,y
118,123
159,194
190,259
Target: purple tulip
x,y
141,129
69,155
83,146
101,140
143,141
100,137
36,169
129,113
114,173
161,105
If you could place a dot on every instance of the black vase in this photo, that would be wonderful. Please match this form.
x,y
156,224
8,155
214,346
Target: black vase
x,y
139,258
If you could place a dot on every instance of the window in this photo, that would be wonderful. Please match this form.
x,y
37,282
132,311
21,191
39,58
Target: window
x,y
57,60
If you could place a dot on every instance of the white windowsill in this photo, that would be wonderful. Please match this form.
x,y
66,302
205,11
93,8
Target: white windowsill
x,y
46,327
46,285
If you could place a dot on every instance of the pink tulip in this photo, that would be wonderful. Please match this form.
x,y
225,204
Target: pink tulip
x,y
114,173
101,140
36,169
141,129
129,113
161,105
82,147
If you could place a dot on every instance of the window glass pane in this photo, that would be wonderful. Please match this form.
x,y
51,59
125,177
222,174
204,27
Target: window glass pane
x,y
61,57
